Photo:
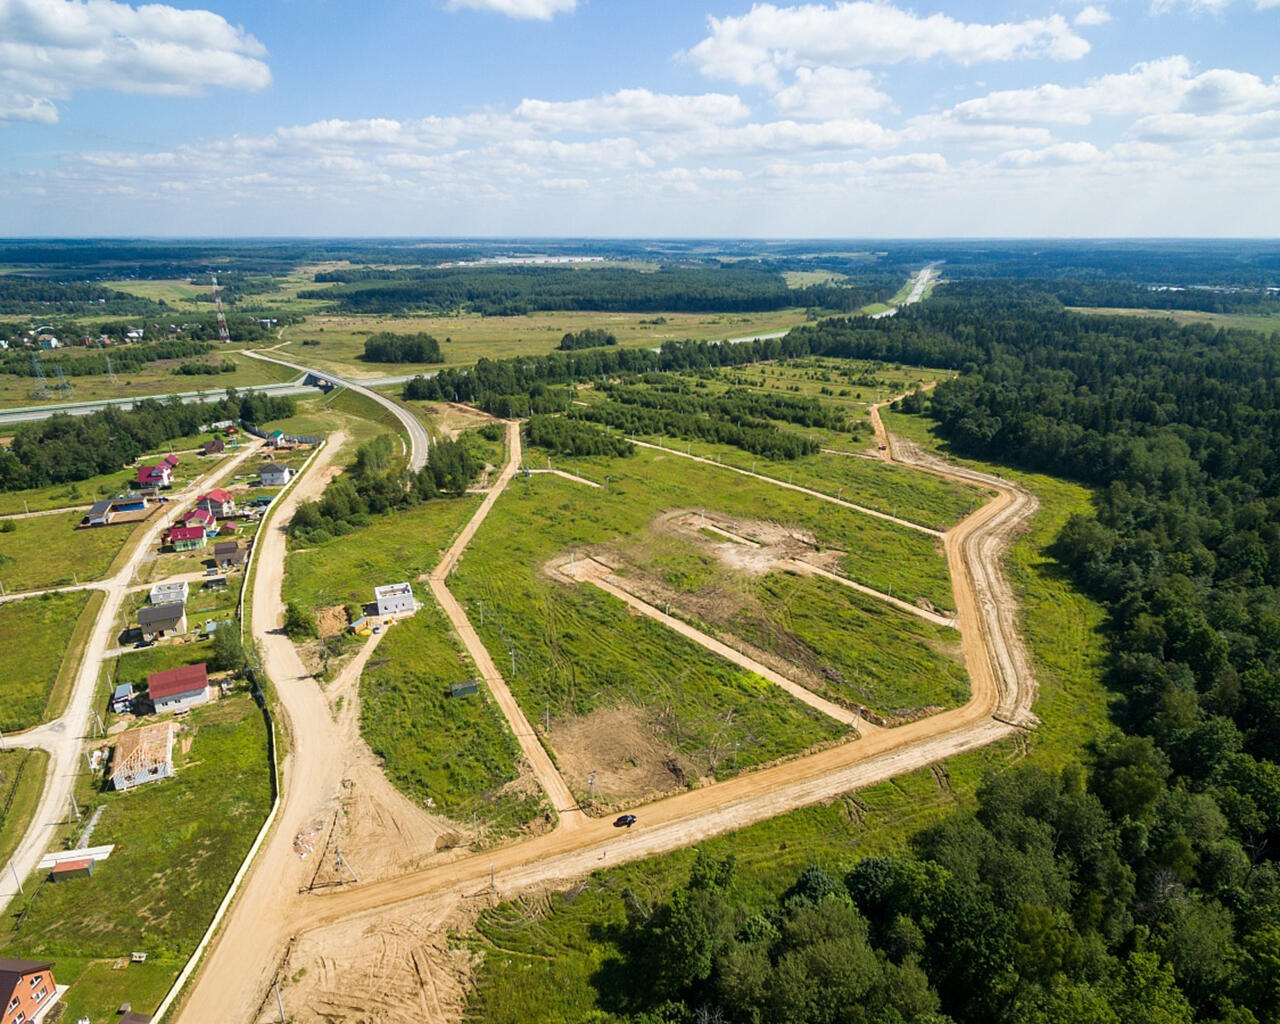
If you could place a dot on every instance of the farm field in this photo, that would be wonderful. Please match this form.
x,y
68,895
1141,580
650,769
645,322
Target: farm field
x,y
178,844
1261,323
30,685
546,957
459,752
48,551
156,379
341,338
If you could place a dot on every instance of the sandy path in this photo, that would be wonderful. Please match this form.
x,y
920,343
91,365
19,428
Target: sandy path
x,y
558,792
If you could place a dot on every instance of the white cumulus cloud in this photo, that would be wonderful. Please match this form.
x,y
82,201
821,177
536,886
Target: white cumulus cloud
x,y
632,110
827,92
539,10
755,47
51,48
1091,16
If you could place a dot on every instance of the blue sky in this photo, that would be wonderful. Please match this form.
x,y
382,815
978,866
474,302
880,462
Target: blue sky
x,y
640,117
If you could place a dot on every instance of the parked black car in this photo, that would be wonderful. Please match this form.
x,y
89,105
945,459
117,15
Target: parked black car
x,y
625,821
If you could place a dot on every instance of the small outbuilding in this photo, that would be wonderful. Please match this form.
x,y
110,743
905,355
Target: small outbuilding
x,y
178,688
143,755
68,869
215,447
122,698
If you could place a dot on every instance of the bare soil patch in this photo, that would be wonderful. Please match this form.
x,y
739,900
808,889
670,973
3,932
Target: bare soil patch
x,y
621,746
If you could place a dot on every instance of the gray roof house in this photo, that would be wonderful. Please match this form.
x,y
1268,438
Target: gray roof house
x,y
158,619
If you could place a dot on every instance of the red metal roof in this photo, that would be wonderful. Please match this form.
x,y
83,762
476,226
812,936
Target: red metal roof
x,y
72,865
186,533
171,459
218,495
201,514
174,681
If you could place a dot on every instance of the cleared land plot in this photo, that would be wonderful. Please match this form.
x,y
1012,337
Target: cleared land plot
x,y
457,751
341,338
178,842
392,549
43,626
48,551
579,653
850,648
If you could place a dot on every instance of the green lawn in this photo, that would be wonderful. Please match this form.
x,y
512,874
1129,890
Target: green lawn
x,y
135,666
178,844
27,684
541,958
459,752
48,551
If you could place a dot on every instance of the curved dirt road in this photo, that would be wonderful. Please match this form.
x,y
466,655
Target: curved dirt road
x,y
239,972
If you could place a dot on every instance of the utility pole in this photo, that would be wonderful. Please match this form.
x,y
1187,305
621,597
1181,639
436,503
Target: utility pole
x,y
591,787
279,1001
74,809
17,881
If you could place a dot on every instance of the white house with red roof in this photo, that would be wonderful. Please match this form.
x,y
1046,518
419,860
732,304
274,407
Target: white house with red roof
x,y
159,475
220,502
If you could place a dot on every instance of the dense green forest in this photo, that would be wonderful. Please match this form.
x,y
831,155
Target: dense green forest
x,y
510,291
385,347
126,359
378,483
63,448
1122,295
573,437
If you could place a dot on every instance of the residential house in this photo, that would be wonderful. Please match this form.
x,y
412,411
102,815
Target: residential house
x,y
171,461
105,511
221,425
178,688
215,447
202,518
221,503
187,538
159,475
27,989
133,334
396,599
273,475
158,620
227,529
228,553
101,512
276,439
167,593
48,341
122,698
143,755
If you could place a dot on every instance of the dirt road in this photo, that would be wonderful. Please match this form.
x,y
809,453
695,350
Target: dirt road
x,y
239,971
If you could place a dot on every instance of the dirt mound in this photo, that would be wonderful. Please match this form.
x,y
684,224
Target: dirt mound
x,y
619,745
333,621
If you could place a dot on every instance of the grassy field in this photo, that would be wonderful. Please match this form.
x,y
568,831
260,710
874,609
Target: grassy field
x,y
360,418
390,550
578,651
48,551
178,844
21,783
1263,323
156,379
542,957
850,648
459,752
27,685
466,338
895,490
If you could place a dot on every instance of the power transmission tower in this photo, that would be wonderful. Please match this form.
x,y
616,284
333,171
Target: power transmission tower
x,y
111,374
64,385
42,385
223,334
